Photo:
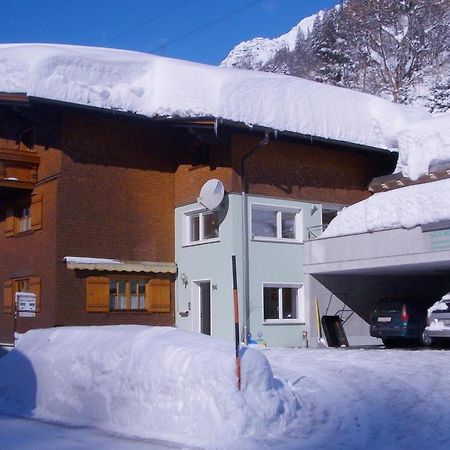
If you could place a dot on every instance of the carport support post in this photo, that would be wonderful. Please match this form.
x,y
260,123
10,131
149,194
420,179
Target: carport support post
x,y
236,322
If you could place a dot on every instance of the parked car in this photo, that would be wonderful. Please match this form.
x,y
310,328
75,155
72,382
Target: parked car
x,y
438,329
398,322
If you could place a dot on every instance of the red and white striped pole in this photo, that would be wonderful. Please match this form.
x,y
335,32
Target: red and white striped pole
x,y
236,322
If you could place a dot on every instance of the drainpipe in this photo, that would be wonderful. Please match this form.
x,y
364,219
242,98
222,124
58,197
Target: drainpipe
x,y
245,246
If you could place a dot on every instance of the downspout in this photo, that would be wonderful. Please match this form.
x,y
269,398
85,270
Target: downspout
x,y
245,245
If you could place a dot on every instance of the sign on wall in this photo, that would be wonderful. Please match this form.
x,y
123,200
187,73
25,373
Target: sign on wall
x,y
25,304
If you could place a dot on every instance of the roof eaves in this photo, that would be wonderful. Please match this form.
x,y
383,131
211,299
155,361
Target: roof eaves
x,y
215,122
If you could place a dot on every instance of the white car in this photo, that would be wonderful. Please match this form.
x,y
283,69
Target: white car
x,y
438,321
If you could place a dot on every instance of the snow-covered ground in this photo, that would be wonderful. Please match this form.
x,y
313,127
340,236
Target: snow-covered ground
x,y
346,399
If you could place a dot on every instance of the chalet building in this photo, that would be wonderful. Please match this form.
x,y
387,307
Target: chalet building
x,y
99,218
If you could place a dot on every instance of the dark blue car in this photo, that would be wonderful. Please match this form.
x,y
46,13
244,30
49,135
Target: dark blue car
x,y
398,322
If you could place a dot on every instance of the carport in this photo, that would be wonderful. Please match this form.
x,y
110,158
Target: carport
x,y
359,270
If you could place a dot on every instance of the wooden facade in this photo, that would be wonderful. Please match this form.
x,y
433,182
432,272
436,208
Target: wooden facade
x,y
93,183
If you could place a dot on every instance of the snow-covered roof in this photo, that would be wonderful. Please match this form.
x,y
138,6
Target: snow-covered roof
x,y
163,87
422,144
406,207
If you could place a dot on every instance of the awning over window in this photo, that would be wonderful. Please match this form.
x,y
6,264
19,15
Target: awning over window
x,y
117,265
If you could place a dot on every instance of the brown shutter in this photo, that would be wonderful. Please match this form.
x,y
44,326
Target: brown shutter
x,y
8,297
9,223
157,295
36,212
97,294
35,288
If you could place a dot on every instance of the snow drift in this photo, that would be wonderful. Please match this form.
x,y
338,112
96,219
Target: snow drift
x,y
149,382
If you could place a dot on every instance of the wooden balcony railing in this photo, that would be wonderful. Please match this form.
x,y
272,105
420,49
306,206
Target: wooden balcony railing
x,y
18,168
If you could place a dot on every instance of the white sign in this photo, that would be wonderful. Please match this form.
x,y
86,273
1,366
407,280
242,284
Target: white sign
x,y
26,304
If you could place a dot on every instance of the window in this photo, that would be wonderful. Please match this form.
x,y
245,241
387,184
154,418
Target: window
x,y
121,293
282,303
23,218
26,216
269,223
202,226
127,294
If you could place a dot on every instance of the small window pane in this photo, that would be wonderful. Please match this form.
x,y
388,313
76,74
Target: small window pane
x,y
141,295
194,228
289,296
210,226
133,294
271,303
288,225
24,219
113,294
121,286
264,223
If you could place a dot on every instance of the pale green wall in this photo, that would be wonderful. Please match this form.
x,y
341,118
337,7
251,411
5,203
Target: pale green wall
x,y
273,262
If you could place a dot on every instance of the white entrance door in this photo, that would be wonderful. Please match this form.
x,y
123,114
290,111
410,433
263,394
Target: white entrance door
x,y
201,307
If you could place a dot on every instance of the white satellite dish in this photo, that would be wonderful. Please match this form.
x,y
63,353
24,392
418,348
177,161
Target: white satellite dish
x,y
211,194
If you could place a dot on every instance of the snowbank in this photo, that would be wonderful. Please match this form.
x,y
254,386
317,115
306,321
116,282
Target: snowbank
x,y
157,86
406,207
149,382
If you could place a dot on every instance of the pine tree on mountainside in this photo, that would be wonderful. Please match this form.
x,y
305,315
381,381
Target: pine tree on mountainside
x,y
439,100
330,47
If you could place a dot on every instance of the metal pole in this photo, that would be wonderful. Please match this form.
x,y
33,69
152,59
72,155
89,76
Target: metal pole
x,y
236,322
245,248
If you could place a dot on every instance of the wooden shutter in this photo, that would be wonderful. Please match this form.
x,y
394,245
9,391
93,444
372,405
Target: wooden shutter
x,y
157,295
9,223
8,297
36,212
35,288
97,294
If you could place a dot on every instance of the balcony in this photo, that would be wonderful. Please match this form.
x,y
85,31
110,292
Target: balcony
x,y
18,169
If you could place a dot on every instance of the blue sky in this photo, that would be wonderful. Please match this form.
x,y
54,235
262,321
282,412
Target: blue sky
x,y
196,30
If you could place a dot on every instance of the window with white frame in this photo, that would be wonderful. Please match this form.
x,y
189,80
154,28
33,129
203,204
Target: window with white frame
x,y
282,303
201,226
272,223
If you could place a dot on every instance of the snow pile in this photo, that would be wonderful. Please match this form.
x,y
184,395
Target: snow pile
x,y
423,144
149,382
406,207
157,86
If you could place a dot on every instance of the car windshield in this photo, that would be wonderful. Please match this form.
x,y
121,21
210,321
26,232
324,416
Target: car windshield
x,y
389,306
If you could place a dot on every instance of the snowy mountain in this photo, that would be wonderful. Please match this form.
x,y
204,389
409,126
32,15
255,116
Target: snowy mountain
x,y
256,53
397,50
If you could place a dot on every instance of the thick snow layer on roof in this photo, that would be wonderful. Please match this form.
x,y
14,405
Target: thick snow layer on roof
x,y
157,86
406,207
423,144
149,382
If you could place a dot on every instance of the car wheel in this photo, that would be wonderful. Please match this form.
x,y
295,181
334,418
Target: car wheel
x,y
426,340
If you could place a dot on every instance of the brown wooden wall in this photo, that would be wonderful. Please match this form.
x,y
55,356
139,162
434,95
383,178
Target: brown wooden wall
x,y
285,170
33,254
116,200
